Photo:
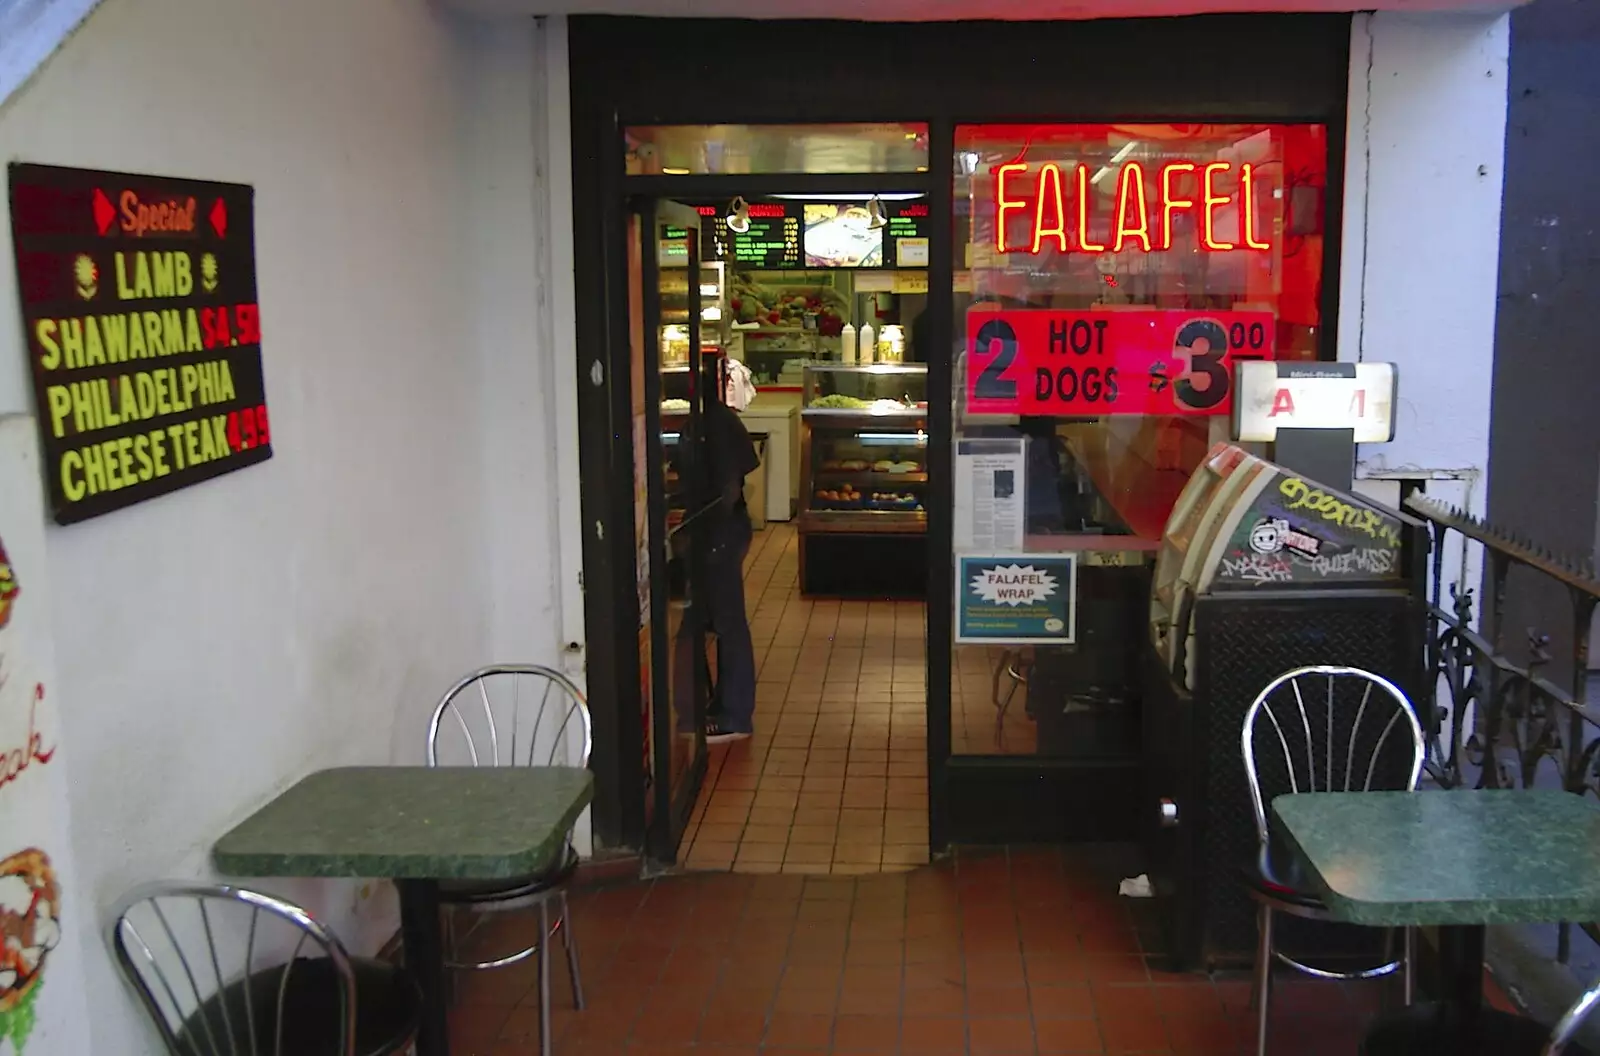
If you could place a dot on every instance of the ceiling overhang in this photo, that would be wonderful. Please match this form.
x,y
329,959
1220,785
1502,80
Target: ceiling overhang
x,y
955,10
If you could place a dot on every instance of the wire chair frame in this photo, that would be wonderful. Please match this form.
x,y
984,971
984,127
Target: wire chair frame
x,y
492,746
1306,781
187,1004
1393,711
491,740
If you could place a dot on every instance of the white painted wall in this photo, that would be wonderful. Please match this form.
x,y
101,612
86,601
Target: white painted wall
x,y
216,644
1420,270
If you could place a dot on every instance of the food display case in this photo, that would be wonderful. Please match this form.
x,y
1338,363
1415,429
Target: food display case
x,y
864,479
1260,571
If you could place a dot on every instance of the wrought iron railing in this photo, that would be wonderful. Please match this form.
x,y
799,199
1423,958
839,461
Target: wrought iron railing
x,y
1491,721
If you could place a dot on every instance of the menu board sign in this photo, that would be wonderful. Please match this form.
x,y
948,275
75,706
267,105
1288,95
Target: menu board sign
x,y
821,234
143,332
771,244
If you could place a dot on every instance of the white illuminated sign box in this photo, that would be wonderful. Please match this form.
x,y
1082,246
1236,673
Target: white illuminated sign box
x,y
1273,396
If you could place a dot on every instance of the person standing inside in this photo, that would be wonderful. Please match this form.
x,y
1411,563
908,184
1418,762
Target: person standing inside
x,y
730,456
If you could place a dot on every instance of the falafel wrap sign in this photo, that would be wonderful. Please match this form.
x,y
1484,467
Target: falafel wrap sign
x,y
1017,599
34,840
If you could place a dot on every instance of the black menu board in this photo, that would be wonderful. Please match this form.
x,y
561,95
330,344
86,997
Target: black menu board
x,y
771,244
788,234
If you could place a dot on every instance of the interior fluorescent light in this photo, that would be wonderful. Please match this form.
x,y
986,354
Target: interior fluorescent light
x,y
1115,158
670,171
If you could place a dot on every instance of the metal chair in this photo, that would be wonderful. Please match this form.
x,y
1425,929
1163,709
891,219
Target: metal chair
x,y
1327,729
515,715
1437,1029
221,972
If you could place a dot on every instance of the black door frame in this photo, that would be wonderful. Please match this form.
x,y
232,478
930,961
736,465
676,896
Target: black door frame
x,y
629,71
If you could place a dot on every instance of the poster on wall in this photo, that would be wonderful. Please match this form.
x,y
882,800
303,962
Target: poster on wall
x,y
42,1007
1046,361
143,332
1017,599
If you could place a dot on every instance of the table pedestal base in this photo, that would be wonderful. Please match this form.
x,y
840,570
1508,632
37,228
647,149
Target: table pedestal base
x,y
424,946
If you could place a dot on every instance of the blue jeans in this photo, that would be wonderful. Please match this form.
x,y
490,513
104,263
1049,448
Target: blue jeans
x,y
721,612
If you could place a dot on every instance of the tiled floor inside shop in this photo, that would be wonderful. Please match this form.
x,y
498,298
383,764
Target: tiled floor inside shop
x,y
835,779
1026,951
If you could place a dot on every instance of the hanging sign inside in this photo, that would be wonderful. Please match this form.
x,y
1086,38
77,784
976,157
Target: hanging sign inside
x,y
143,332
1042,361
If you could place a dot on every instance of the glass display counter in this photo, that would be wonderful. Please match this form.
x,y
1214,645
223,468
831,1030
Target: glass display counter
x,y
864,486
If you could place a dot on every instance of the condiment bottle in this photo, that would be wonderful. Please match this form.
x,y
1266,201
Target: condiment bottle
x,y
869,343
847,343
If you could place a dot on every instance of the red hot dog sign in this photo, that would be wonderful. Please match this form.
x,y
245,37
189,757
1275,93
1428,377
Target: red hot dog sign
x,y
1045,361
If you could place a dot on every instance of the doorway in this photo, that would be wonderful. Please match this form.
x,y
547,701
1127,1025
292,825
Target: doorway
x,y
834,779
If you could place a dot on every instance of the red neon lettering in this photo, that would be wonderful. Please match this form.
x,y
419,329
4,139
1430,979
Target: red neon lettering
x,y
1133,221
1247,206
1050,175
768,211
1002,203
1282,403
1132,179
1170,202
1212,202
1083,213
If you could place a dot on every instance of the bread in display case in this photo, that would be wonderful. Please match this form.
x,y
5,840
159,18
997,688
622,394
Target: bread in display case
x,y
864,448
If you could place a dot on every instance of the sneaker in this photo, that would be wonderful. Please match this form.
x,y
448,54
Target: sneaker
x,y
717,733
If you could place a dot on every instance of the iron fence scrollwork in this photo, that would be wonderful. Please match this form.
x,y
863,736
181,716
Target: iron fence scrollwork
x,y
1491,721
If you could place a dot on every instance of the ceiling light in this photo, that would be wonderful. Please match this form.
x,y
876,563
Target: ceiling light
x,y
670,171
875,217
739,216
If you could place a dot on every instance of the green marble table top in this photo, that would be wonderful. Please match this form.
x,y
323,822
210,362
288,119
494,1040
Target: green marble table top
x,y
1460,857
411,823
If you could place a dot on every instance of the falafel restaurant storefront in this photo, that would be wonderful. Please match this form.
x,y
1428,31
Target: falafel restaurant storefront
x,y
1071,233
1103,239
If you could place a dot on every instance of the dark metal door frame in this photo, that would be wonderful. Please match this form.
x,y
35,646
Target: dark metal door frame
x,y
627,71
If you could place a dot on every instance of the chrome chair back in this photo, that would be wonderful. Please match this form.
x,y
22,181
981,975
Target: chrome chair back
x,y
216,968
1320,729
511,715
1297,739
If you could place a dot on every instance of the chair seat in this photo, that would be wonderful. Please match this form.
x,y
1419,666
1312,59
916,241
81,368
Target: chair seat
x,y
1435,1029
387,1003
1279,875
480,892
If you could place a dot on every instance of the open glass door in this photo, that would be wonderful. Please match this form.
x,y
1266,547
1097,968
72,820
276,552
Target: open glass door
x,y
668,399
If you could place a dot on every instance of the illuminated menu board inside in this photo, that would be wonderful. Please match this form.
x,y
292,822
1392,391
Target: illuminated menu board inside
x,y
793,234
771,244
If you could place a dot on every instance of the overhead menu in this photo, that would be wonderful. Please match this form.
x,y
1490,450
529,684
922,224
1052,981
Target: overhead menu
x,y
771,244
143,332
820,234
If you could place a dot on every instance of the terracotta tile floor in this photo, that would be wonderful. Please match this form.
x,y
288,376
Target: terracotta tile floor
x,y
1026,951
835,779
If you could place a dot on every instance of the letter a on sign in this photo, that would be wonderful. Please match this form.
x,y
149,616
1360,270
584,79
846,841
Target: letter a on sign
x,y
1282,403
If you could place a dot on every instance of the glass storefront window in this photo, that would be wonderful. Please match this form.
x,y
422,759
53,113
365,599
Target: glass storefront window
x,y
1107,278
684,150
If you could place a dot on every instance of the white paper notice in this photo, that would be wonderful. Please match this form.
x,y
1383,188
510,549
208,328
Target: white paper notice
x,y
991,477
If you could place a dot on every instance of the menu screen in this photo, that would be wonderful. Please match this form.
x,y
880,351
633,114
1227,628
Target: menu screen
x,y
792,234
771,244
